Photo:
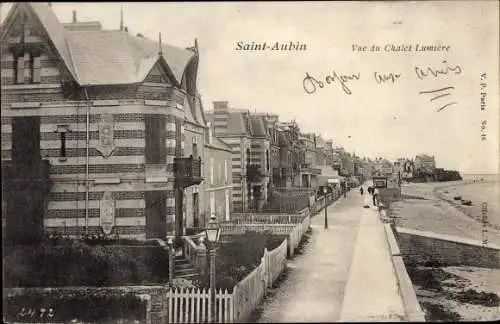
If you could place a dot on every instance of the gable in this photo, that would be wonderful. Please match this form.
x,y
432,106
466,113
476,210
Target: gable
x,y
28,53
157,75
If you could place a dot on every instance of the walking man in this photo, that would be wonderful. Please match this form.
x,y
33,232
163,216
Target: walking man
x,y
361,191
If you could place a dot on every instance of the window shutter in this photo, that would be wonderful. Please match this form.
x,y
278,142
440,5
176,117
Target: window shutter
x,y
37,69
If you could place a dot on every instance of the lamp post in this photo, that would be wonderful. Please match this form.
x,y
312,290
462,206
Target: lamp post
x,y
171,257
213,233
326,207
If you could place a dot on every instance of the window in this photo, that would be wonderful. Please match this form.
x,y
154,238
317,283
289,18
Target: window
x,y
195,149
62,130
34,68
248,156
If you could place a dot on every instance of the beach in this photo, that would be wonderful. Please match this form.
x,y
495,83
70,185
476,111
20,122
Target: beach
x,y
478,193
431,207
462,292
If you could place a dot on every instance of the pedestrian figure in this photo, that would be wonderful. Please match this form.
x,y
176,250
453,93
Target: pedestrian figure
x,y
375,196
361,191
370,190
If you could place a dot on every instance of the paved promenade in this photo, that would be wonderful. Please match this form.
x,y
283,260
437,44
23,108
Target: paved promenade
x,y
344,274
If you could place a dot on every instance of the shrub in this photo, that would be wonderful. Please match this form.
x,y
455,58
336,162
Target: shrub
x,y
240,256
81,264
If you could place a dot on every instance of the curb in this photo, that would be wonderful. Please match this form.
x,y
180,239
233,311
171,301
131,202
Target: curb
x,y
411,305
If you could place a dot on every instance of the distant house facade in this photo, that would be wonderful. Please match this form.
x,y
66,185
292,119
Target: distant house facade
x,y
425,163
232,126
289,153
218,182
308,172
94,139
274,131
195,130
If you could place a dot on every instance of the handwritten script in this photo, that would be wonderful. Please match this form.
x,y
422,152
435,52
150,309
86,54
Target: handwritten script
x,y
311,84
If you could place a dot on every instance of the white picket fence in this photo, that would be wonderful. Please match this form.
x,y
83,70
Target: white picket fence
x,y
296,235
191,305
276,262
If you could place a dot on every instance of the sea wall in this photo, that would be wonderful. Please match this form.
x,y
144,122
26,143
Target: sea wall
x,y
418,247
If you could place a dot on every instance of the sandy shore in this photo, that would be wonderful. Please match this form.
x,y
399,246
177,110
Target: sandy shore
x,y
451,293
457,293
478,193
422,209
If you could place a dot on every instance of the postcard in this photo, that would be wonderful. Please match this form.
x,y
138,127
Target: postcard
x,y
250,161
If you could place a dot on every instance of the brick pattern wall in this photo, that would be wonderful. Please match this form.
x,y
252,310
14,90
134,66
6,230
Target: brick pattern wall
x,y
64,103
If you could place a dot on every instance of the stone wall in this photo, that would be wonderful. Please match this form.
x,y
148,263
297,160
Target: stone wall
x,y
419,247
155,296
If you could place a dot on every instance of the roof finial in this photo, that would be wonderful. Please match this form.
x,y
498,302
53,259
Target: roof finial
x,y
196,45
121,18
160,50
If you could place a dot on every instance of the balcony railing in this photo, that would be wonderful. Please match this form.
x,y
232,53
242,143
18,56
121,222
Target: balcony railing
x,y
188,171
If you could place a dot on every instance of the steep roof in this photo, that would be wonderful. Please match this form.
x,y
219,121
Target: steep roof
x,y
193,110
103,57
259,128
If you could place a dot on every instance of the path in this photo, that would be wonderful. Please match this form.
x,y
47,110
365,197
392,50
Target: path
x,y
344,274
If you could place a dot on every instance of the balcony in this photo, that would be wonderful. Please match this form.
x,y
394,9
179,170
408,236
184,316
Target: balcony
x,y
18,173
187,171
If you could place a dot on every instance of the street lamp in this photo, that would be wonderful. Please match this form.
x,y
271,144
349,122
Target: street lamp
x,y
326,207
171,257
213,233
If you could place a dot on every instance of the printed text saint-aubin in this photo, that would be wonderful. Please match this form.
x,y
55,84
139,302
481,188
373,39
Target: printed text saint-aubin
x,y
270,46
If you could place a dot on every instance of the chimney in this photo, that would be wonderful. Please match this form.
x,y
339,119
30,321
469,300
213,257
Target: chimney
x,y
220,106
50,4
74,16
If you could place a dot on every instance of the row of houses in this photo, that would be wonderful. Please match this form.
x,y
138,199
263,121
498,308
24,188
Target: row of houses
x,y
104,131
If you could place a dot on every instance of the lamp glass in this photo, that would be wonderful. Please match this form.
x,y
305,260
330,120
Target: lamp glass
x,y
324,190
213,230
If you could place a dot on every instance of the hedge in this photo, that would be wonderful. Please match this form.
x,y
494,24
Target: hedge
x,y
81,264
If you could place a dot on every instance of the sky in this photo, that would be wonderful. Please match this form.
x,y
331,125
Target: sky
x,y
387,119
